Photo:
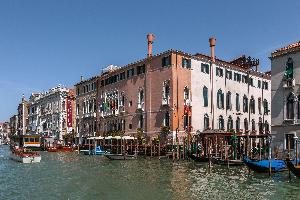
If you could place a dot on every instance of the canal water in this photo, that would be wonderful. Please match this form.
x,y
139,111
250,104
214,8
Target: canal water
x,y
73,176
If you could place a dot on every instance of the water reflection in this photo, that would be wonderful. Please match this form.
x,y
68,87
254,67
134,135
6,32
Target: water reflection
x,y
73,176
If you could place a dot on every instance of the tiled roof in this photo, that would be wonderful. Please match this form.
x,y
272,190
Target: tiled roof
x,y
286,49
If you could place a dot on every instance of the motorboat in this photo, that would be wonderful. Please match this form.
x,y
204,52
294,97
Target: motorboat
x,y
97,151
24,155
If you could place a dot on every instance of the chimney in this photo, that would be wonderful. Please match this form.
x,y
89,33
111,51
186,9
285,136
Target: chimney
x,y
81,78
212,44
150,38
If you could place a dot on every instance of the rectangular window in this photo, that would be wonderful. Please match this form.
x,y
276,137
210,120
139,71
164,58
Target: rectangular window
x,y
251,82
219,72
245,79
228,74
102,82
205,68
122,76
186,63
289,141
166,61
130,126
130,73
140,69
259,83
237,77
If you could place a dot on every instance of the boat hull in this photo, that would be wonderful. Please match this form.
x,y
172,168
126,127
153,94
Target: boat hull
x,y
120,157
227,162
197,158
25,159
294,169
262,166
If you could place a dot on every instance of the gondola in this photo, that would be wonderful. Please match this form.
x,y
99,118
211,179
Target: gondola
x,y
197,158
120,156
263,166
295,169
227,162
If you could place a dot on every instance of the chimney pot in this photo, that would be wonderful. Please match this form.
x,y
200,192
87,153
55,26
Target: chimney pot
x,y
150,38
212,44
81,78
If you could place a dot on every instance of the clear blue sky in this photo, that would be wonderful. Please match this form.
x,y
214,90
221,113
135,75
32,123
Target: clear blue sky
x,y
46,43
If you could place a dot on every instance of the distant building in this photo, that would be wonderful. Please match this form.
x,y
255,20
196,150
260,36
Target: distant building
x,y
13,122
86,107
285,63
23,117
52,113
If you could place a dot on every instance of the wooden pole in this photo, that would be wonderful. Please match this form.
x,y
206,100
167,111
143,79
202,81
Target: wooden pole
x,y
159,150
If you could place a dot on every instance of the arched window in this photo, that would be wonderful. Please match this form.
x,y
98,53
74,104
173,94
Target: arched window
x,y
237,102
221,122
245,103
290,106
246,126
205,96
237,124
186,93
253,124
206,122
220,99
289,69
259,105
267,127
166,90
252,105
141,96
298,107
266,107
229,123
228,101
260,126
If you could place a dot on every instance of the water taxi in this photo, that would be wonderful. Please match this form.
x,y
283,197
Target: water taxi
x,y
24,155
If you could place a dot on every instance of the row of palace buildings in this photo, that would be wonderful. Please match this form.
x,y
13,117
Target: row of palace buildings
x,y
174,91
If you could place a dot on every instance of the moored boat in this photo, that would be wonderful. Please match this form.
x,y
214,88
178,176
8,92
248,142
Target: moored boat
x,y
197,158
97,151
52,149
265,166
25,155
227,162
120,156
295,169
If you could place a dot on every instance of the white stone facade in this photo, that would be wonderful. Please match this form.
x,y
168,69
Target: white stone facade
x,y
48,112
229,83
285,95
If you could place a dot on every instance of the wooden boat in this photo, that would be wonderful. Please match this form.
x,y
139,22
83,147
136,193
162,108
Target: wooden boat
x,y
52,149
25,155
120,156
227,162
98,151
197,158
295,169
263,166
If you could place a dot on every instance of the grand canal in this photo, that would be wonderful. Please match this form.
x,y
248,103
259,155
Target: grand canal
x,y
73,176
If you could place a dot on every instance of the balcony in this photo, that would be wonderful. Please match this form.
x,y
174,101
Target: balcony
x,y
140,106
288,83
188,102
165,101
122,109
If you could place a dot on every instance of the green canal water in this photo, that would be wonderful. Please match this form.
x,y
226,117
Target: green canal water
x,y
72,176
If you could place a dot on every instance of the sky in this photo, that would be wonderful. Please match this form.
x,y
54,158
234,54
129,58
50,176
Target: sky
x,y
51,42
